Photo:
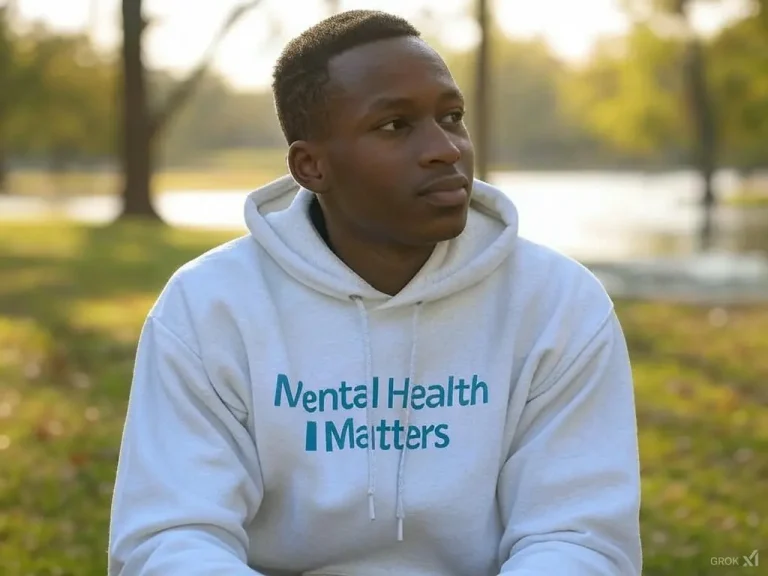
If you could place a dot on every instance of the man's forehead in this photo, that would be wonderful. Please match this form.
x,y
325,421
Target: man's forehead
x,y
370,69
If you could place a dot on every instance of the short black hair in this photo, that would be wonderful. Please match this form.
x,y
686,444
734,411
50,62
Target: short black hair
x,y
301,72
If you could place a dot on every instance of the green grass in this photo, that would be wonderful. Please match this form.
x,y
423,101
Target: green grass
x,y
72,300
229,169
747,200
36,183
756,195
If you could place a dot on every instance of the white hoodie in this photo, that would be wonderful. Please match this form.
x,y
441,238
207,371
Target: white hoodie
x,y
287,418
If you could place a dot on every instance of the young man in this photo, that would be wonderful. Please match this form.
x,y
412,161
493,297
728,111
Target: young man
x,y
382,377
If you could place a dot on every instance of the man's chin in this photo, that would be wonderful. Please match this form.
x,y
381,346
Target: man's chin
x,y
445,228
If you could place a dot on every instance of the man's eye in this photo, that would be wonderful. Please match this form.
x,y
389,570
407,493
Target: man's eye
x,y
393,126
455,117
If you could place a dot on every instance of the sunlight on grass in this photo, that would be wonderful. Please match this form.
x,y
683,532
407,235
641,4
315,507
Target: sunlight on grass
x,y
755,195
72,302
228,170
191,180
28,183
120,317
40,278
37,241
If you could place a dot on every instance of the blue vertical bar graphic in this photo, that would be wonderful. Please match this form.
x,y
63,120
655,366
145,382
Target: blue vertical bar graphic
x,y
311,441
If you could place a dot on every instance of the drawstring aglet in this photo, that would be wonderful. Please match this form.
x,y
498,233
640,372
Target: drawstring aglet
x,y
371,507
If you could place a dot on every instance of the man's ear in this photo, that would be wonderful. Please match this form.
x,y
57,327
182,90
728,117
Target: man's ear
x,y
308,167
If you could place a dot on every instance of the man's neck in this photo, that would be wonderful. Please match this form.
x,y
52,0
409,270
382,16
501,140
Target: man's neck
x,y
386,267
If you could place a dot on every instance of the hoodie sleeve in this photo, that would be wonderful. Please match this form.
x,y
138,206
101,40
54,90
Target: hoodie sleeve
x,y
188,478
569,492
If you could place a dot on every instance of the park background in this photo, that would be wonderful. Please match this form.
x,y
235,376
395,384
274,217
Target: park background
x,y
631,134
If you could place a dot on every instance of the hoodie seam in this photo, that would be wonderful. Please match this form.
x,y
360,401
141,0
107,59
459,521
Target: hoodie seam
x,y
567,362
235,411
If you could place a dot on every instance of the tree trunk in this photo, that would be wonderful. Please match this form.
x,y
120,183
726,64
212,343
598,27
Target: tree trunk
x,y
700,111
482,103
140,127
698,101
3,172
5,79
706,231
137,141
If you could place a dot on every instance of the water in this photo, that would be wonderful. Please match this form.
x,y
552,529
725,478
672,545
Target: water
x,y
641,233
617,217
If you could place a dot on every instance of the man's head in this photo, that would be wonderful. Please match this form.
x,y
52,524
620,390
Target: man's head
x,y
374,121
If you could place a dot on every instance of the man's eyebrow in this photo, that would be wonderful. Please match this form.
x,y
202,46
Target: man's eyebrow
x,y
452,94
389,102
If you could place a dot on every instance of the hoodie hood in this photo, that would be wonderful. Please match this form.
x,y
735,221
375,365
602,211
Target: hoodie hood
x,y
277,216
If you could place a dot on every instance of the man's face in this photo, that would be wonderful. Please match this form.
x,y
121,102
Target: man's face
x,y
395,134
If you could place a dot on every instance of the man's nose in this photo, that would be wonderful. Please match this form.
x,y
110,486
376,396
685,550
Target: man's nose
x,y
438,146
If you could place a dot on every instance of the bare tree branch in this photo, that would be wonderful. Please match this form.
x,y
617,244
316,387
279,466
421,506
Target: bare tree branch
x,y
187,87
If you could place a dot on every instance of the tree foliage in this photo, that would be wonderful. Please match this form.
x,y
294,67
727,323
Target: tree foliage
x,y
739,72
630,93
634,93
57,101
70,97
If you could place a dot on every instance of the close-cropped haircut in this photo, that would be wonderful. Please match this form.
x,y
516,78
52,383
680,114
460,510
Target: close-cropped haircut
x,y
301,73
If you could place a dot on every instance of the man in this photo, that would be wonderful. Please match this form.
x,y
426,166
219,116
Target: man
x,y
381,377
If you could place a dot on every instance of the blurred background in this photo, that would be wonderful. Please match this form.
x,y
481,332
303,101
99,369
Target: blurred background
x,y
631,134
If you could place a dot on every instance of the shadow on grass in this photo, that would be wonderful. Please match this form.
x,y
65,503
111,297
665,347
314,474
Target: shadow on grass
x,y
89,288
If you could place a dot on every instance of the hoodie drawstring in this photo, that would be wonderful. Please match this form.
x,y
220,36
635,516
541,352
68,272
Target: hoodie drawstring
x,y
368,403
400,512
406,424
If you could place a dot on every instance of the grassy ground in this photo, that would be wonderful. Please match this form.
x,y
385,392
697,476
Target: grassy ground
x,y
72,300
36,183
229,169
752,194
750,199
